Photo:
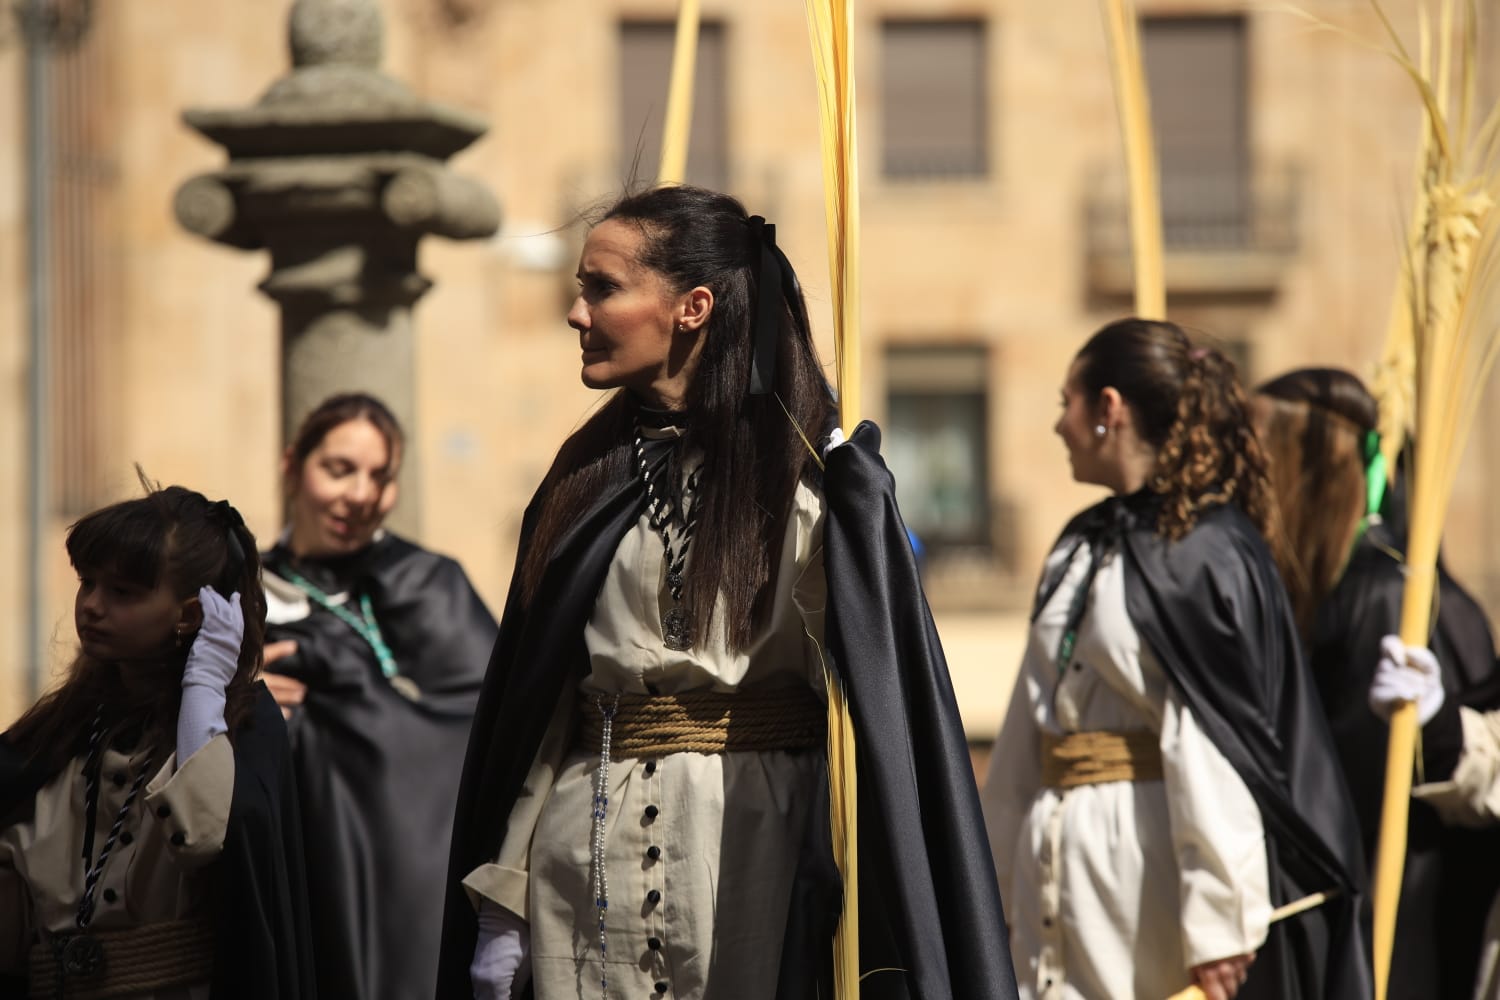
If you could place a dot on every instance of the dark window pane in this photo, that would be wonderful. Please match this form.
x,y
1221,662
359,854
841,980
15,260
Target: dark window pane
x,y
1196,73
645,76
934,112
936,444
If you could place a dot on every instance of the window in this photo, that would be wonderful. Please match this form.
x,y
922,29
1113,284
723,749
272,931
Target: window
x,y
1196,74
645,77
938,444
935,116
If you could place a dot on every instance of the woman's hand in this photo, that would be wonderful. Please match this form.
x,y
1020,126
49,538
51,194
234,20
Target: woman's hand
x,y
214,657
211,664
1222,979
288,691
1406,673
502,953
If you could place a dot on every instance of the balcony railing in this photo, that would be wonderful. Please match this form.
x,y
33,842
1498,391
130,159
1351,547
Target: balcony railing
x,y
1226,230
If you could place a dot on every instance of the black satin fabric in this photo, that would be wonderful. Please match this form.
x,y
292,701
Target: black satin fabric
x,y
378,771
929,903
929,899
262,938
1212,608
539,656
1451,874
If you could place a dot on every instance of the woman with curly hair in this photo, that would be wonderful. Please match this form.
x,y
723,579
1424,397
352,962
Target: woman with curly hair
x,y
1162,781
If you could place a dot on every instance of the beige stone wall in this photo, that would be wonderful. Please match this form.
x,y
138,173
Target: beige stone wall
x,y
997,261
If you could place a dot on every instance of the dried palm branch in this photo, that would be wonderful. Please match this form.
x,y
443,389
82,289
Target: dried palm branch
x,y
831,27
1133,100
1453,275
679,120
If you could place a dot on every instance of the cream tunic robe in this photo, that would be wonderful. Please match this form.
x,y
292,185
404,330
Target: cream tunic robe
x,y
1471,797
174,828
700,848
1116,890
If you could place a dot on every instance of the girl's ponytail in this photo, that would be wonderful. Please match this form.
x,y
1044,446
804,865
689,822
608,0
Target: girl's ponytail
x,y
1211,454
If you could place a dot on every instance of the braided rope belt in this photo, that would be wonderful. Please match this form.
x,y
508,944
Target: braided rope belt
x,y
145,959
1093,758
783,718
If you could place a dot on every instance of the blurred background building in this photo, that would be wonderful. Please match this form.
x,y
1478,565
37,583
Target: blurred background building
x,y
995,242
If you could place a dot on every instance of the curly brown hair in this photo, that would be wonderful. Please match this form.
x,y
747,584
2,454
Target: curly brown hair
x,y
1188,405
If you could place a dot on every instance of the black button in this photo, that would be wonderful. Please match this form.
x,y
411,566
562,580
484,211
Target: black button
x,y
653,852
654,943
661,987
653,897
650,768
178,839
110,895
163,810
118,778
126,838
651,812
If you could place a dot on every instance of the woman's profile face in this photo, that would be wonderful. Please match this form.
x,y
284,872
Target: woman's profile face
x,y
1078,429
342,492
625,316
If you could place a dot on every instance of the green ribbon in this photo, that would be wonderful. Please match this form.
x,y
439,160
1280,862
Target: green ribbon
x,y
1376,474
364,624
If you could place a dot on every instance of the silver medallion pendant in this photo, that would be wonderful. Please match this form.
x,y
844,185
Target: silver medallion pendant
x,y
677,630
82,956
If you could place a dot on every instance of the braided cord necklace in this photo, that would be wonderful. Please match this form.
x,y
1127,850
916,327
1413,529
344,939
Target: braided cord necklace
x,y
83,955
663,511
364,623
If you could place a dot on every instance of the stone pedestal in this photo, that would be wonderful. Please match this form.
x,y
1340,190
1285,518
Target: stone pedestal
x,y
339,171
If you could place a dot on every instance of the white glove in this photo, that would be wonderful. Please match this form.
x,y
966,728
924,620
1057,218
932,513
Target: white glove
x,y
211,665
834,440
1406,673
502,956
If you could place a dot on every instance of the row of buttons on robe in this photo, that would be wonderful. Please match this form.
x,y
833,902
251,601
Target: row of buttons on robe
x,y
654,896
126,838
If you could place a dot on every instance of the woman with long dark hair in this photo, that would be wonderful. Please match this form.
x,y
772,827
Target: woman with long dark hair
x,y
149,843
1156,788
1343,519
375,649
645,803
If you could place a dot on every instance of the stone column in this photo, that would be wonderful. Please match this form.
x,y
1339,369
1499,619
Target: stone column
x,y
339,171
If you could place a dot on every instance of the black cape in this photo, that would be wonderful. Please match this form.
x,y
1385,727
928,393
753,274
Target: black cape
x,y
1451,874
262,941
378,771
1212,608
929,902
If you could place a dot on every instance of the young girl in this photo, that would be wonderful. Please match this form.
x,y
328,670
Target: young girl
x,y
148,836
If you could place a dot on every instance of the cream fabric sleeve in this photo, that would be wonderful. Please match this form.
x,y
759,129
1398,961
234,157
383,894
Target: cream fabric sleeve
x,y
192,802
1013,779
1219,841
1471,795
506,879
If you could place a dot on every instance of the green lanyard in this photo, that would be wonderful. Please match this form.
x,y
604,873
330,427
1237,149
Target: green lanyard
x,y
366,626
